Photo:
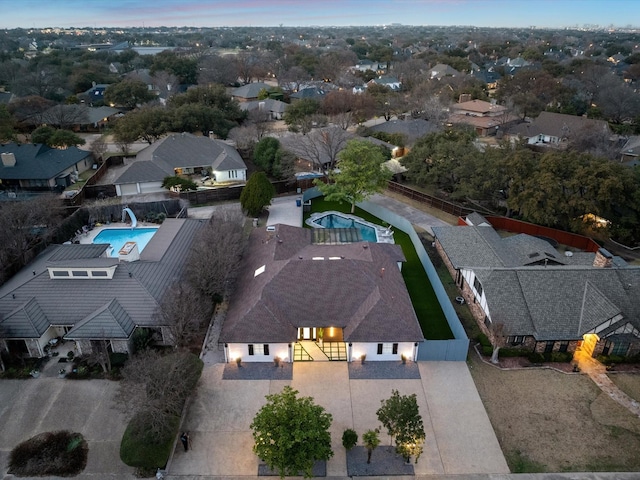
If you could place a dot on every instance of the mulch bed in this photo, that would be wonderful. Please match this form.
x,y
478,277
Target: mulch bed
x,y
384,461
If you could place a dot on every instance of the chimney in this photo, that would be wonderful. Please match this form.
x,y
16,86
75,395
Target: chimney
x,y
8,159
464,97
603,259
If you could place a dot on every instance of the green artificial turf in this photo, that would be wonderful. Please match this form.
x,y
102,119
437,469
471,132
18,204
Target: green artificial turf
x,y
430,315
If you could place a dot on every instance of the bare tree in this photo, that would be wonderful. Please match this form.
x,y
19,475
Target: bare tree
x,y
99,147
261,119
215,255
321,147
498,333
100,354
185,313
23,225
154,387
221,69
245,136
66,116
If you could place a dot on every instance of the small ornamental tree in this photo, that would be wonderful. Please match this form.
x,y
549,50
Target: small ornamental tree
x,y
291,433
256,194
360,174
400,415
371,440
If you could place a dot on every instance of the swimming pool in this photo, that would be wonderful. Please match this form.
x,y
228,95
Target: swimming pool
x,y
117,237
370,232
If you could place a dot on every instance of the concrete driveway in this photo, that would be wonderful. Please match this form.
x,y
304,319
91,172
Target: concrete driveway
x,y
29,407
459,436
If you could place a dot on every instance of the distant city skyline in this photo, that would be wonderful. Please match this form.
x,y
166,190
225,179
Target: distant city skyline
x,y
291,13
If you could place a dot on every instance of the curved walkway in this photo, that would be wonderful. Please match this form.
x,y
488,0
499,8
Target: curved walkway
x,y
598,373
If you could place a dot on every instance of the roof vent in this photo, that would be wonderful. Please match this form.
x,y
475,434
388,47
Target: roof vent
x,y
271,228
568,253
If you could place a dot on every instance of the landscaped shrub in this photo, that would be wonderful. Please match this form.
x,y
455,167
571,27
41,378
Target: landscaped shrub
x,y
139,448
613,359
61,453
118,359
483,340
561,357
349,438
535,357
513,352
487,351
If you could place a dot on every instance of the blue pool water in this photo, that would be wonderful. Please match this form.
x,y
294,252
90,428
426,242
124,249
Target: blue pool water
x,y
337,221
117,237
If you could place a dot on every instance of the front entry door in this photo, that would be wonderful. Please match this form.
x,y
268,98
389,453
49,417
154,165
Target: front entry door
x,y
306,333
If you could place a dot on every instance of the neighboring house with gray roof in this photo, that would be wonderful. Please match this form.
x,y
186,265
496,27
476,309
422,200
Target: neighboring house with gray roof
x,y
412,129
78,117
546,301
275,108
557,129
79,293
357,303
250,91
180,154
39,167
630,153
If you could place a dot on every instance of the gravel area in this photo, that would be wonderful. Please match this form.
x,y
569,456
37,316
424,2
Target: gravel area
x,y
384,461
383,371
258,371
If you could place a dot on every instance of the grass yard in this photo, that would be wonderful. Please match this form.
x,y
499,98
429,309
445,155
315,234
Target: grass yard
x,y
548,421
432,320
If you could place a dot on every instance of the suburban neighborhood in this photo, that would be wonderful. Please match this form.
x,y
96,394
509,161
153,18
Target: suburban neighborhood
x,y
349,251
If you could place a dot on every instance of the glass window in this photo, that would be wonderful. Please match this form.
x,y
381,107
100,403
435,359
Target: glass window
x,y
250,349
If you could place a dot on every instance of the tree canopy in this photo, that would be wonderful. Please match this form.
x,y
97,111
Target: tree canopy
x,y
360,173
291,433
128,93
256,194
400,415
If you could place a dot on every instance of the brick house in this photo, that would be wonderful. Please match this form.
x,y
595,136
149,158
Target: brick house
x,y
547,301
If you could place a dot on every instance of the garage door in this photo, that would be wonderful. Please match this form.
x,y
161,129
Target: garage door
x,y
129,189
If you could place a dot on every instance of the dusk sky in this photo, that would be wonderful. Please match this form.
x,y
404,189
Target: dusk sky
x,y
215,13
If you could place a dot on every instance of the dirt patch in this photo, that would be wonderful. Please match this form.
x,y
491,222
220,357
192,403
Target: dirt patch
x,y
550,421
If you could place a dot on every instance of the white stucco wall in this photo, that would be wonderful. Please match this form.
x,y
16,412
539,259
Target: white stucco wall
x,y
356,350
232,351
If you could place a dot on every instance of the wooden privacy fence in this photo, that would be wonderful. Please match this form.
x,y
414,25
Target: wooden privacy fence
x,y
571,239
435,202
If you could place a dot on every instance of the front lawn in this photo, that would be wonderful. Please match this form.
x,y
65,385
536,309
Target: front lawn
x,y
432,320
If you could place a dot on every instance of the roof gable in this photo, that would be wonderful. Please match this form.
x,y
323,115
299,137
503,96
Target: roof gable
x,y
108,321
26,321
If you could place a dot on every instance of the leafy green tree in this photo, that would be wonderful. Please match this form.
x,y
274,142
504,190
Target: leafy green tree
x,y
256,194
264,153
182,184
64,139
193,117
147,123
291,433
298,116
371,440
56,138
360,174
128,93
400,415
183,67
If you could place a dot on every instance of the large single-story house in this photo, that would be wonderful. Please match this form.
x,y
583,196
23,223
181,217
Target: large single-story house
x,y
544,300
37,166
180,154
78,117
79,293
555,130
303,295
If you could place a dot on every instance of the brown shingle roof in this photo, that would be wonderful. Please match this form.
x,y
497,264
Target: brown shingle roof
x,y
355,286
